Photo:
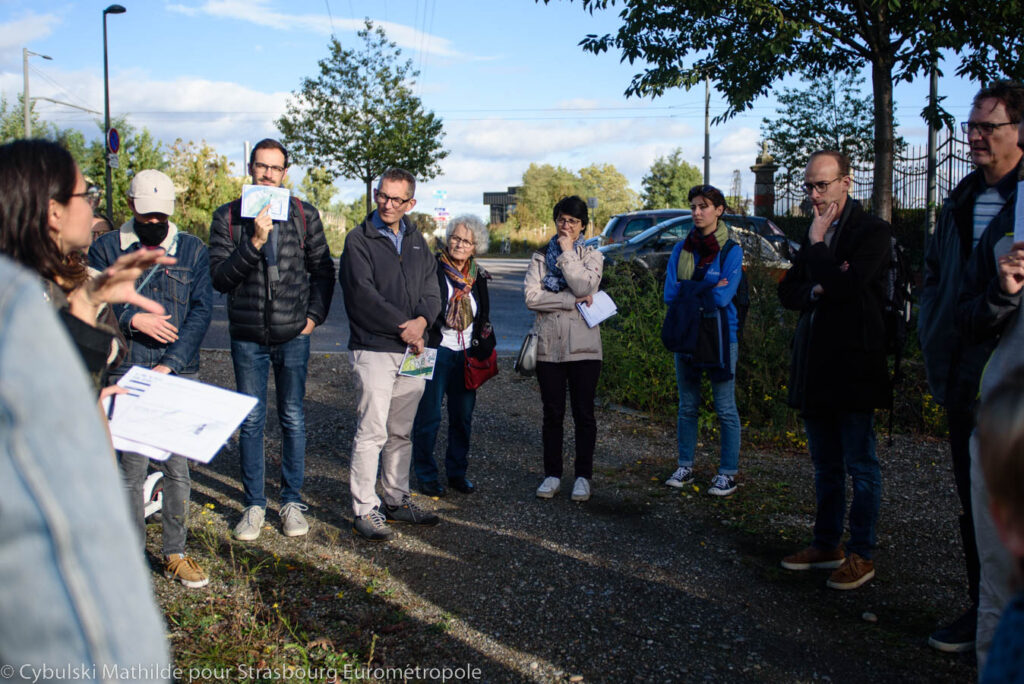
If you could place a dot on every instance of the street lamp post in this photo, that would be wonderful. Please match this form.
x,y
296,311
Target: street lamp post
x,y
113,9
26,101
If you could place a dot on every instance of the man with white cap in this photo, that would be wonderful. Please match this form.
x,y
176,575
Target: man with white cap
x,y
167,343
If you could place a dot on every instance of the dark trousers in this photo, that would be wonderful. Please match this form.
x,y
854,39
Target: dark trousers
x,y
581,379
961,424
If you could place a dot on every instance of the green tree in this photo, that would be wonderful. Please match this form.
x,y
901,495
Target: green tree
x,y
359,116
543,185
317,187
668,182
614,196
826,116
203,181
746,46
139,151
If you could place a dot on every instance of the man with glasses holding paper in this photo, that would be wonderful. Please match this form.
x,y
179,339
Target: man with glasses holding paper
x,y
389,280
988,314
167,343
954,364
839,374
279,279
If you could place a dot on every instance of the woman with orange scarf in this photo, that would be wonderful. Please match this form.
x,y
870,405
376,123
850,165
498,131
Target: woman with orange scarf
x,y
462,328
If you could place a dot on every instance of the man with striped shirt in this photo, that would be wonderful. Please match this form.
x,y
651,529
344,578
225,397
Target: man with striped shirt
x,y
954,365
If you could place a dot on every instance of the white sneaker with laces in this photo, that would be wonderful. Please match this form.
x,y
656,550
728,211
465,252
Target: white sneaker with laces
x,y
722,485
549,487
248,528
581,490
293,523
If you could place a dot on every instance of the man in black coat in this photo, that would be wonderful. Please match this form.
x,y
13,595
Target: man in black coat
x,y
279,279
839,374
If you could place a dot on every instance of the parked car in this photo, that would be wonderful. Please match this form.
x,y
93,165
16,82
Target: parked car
x,y
761,240
621,227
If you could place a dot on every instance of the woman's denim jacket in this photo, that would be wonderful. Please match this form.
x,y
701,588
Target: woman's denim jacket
x,y
183,289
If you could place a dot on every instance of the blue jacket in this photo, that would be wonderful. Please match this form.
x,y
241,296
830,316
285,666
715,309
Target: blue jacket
x,y
183,289
731,271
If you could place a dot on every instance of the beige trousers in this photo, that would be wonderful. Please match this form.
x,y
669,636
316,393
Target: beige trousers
x,y
386,410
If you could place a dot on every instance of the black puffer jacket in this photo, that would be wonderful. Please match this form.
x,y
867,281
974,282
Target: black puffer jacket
x,y
257,312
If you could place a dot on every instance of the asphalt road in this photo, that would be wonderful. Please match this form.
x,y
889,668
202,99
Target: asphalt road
x,y
509,315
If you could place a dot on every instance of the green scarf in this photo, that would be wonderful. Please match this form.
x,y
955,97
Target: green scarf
x,y
685,266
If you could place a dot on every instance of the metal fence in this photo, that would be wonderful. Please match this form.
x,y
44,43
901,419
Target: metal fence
x,y
910,177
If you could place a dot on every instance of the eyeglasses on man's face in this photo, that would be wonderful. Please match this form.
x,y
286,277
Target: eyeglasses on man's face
x,y
460,242
985,128
388,199
260,167
820,186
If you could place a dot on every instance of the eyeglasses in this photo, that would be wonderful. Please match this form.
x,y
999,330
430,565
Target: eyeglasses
x,y
388,199
92,194
459,242
820,186
260,167
985,128
571,222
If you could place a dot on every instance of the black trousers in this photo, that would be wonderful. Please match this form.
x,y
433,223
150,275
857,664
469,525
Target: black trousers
x,y
961,424
581,379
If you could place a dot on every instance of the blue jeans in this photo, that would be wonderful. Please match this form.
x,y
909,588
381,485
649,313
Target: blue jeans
x,y
841,444
449,379
252,363
724,395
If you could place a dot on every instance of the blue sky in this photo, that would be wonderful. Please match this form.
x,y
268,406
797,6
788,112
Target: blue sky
x,y
506,76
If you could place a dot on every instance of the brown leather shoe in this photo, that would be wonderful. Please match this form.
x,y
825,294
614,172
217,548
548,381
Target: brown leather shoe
x,y
813,557
854,573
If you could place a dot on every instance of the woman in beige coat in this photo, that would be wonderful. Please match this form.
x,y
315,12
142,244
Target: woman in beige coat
x,y
568,352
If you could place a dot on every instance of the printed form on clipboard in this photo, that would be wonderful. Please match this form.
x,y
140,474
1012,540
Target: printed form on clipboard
x,y
601,310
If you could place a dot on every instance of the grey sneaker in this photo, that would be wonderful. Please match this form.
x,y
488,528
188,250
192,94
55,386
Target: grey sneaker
x,y
581,489
372,526
248,528
293,523
549,487
408,512
683,476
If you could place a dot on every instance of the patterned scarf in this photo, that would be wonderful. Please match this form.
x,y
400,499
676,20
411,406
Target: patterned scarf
x,y
459,315
554,280
704,246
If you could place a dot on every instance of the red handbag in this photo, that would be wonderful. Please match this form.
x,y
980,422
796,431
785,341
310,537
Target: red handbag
x,y
478,372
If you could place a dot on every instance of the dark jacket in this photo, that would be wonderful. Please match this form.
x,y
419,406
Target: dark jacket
x,y
983,309
839,359
256,311
382,290
479,347
183,289
952,364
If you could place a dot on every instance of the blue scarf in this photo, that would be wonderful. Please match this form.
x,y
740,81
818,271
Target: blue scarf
x,y
554,280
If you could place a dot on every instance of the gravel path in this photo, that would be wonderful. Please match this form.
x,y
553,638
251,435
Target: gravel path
x,y
641,583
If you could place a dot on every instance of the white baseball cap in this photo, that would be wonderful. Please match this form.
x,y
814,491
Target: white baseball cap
x,y
152,192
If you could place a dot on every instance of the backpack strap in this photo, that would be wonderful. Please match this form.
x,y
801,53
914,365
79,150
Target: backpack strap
x,y
305,227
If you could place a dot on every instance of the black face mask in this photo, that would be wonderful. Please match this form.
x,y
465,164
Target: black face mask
x,y
151,234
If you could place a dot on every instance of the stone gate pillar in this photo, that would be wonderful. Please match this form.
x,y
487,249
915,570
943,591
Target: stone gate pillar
x,y
764,183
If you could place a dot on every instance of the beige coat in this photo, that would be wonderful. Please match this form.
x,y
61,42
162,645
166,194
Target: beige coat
x,y
562,334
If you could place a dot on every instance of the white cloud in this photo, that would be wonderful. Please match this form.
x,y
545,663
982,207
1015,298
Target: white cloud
x,y
259,12
19,33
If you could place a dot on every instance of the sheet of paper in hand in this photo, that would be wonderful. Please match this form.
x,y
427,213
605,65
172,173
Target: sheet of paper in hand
x,y
421,366
255,197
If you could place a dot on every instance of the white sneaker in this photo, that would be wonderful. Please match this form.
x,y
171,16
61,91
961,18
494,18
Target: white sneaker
x,y
581,490
549,487
293,523
248,528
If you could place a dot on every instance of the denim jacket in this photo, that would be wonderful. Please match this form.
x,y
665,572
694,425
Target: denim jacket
x,y
183,289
